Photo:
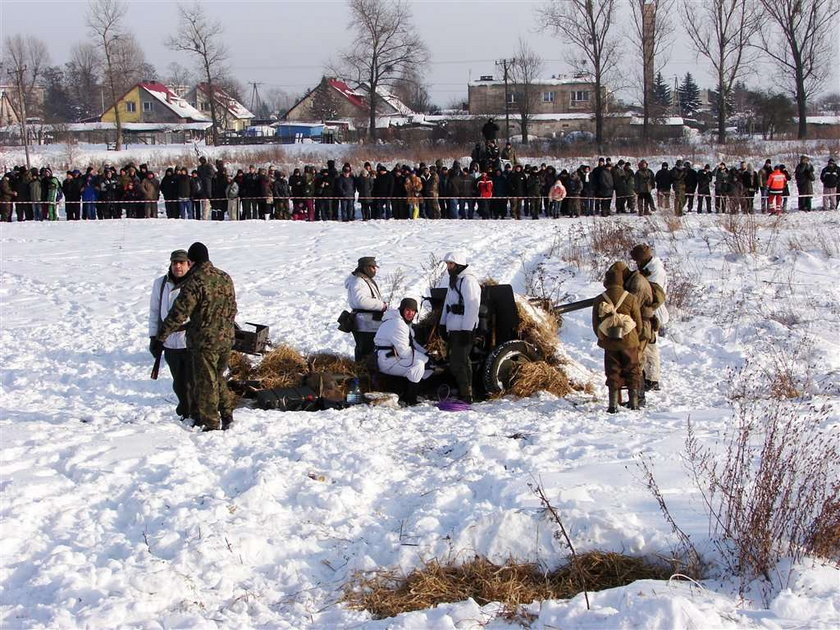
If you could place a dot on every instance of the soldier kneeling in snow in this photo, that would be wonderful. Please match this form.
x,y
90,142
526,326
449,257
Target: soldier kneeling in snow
x,y
397,353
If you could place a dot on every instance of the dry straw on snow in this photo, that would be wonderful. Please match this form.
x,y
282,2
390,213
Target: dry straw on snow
x,y
539,376
387,593
282,367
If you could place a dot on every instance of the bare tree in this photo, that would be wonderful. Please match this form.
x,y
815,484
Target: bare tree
x,y
179,76
796,35
27,59
104,19
411,89
201,37
652,29
721,31
386,43
324,102
525,71
588,26
84,69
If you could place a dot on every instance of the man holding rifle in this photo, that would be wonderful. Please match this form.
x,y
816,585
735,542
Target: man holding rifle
x,y
207,306
164,291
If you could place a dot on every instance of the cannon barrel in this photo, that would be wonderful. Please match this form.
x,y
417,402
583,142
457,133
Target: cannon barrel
x,y
574,306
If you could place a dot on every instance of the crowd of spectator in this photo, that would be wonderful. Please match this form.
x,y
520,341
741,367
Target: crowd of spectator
x,y
494,185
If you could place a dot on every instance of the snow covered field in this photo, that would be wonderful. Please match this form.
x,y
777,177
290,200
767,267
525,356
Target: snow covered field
x,y
116,515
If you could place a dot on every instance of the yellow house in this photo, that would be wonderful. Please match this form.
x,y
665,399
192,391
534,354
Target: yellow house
x,y
153,103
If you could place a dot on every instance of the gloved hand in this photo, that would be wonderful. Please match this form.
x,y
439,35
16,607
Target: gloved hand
x,y
155,347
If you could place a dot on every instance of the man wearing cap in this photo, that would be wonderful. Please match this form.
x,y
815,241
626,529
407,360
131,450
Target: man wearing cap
x,y
366,303
397,352
459,319
164,291
653,269
830,178
207,306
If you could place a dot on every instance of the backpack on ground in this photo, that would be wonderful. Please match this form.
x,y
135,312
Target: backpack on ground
x,y
615,325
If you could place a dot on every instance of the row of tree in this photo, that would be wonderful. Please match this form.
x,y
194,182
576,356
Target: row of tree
x,y
794,36
388,52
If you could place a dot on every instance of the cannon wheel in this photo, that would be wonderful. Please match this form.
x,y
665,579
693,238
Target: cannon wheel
x,y
501,364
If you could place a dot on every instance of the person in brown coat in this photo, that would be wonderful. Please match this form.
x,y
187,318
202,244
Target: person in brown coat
x,y
621,352
150,190
650,296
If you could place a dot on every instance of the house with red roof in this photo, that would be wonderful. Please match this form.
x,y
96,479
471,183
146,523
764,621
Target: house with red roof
x,y
333,99
231,114
152,102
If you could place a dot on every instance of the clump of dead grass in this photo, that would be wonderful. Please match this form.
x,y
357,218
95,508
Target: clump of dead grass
x,y
387,593
281,367
539,376
239,366
540,333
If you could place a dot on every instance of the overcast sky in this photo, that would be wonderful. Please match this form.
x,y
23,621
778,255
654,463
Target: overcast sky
x,y
286,44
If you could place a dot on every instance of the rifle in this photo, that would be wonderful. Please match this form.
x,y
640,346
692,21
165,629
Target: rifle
x,y
156,367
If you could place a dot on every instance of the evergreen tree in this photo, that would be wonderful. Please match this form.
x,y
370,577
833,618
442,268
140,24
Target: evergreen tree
x,y
689,97
661,91
58,103
324,102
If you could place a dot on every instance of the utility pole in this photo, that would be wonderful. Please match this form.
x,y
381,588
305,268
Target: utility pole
x,y
504,63
18,74
255,95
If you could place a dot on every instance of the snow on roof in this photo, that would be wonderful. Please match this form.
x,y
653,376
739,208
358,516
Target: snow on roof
x,y
821,120
668,121
236,109
535,82
351,95
172,101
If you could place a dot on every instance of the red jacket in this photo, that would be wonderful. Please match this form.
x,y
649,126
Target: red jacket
x,y
776,182
485,188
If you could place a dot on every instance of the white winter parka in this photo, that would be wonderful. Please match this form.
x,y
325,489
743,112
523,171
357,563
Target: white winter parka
x,y
160,303
365,300
654,271
408,358
470,290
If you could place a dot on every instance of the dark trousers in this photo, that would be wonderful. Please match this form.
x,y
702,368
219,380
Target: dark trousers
x,y
460,346
364,344
180,366
622,368
210,391
645,203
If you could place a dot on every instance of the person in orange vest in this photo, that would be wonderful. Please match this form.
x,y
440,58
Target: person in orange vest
x,y
775,188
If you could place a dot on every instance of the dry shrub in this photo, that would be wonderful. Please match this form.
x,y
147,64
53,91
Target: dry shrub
x,y
824,538
683,288
773,491
599,244
282,367
387,593
741,233
540,333
539,376
823,239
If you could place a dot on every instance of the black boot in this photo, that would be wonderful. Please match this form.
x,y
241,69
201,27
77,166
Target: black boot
x,y
634,398
227,420
615,397
410,395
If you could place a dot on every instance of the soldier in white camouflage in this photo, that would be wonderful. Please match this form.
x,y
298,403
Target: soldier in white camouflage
x,y
207,304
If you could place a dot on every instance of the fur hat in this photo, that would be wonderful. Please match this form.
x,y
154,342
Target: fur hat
x,y
410,303
641,252
367,261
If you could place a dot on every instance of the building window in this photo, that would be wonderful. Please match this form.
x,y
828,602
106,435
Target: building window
x,y
130,106
548,97
205,106
147,106
580,97
511,98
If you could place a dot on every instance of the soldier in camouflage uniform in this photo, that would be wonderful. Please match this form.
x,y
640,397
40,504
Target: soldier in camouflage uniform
x,y
207,299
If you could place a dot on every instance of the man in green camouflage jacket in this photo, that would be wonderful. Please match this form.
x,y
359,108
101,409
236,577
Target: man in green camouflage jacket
x,y
207,303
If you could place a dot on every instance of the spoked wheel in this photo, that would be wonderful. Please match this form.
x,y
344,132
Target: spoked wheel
x,y
503,362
